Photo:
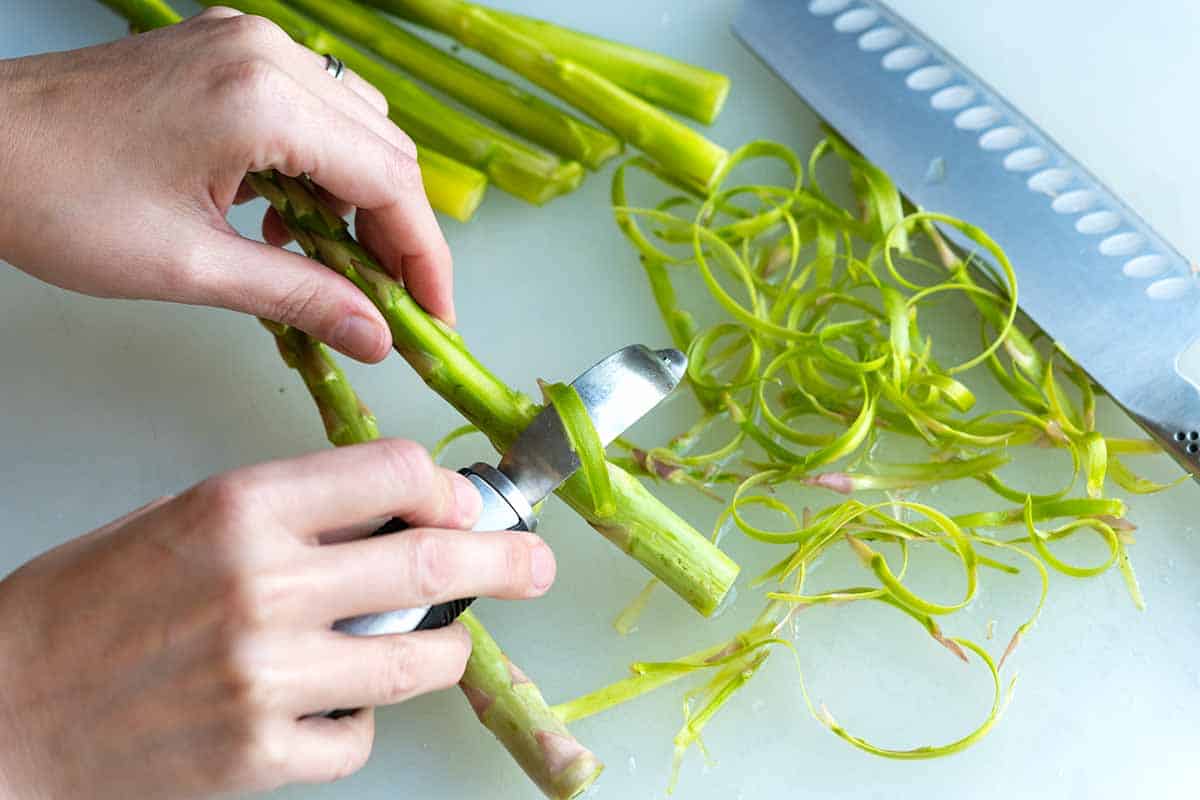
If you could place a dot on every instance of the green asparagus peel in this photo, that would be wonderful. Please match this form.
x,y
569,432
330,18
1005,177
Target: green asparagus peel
x,y
584,442
815,368
519,169
664,81
639,524
516,109
680,150
451,186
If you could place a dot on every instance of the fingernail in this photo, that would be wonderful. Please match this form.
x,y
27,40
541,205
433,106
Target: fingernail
x,y
357,335
541,566
466,500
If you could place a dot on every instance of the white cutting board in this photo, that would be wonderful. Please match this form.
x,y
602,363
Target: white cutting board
x,y
105,405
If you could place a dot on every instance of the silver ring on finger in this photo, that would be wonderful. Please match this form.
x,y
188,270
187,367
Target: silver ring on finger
x,y
334,66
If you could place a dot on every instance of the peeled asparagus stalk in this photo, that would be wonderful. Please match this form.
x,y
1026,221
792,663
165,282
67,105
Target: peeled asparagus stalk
x,y
679,149
520,111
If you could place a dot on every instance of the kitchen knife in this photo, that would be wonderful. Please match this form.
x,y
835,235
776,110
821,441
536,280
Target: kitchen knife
x,y
616,393
1111,292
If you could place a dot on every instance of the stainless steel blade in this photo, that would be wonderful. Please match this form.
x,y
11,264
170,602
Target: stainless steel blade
x,y
616,392
1116,296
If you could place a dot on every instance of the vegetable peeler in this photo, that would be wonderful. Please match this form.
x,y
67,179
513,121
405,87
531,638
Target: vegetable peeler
x,y
616,393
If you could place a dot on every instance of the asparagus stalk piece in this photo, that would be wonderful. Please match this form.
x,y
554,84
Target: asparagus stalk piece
x,y
512,708
642,526
664,81
672,144
532,174
451,186
518,110
505,700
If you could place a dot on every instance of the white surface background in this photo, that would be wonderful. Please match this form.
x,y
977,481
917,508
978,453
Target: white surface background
x,y
105,405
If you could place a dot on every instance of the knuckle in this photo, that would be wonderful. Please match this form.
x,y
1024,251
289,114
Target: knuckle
x,y
404,142
516,562
264,751
432,569
301,303
217,12
352,759
225,499
403,172
408,464
249,89
396,678
253,31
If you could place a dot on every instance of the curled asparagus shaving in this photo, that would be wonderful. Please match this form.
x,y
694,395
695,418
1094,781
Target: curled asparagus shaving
x,y
680,150
817,364
516,109
520,169
640,524
664,81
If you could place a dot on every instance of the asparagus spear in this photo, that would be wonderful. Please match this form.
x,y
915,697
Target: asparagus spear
x,y
451,186
505,700
512,708
527,172
518,110
664,81
672,144
641,526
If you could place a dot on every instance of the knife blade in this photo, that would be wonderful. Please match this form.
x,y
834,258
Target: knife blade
x,y
1109,290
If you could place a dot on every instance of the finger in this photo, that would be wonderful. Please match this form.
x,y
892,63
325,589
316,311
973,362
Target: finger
x,y
325,749
407,240
362,168
350,80
266,281
425,566
352,95
349,533
363,671
333,489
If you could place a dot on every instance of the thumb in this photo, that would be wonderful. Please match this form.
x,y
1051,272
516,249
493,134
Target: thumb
x,y
267,281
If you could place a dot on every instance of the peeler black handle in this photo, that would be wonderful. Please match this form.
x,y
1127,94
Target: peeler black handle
x,y
442,614
504,508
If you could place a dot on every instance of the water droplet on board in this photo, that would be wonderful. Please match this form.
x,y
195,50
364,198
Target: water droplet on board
x,y
936,171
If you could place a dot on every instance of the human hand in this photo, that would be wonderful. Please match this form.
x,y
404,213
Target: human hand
x,y
179,651
120,163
